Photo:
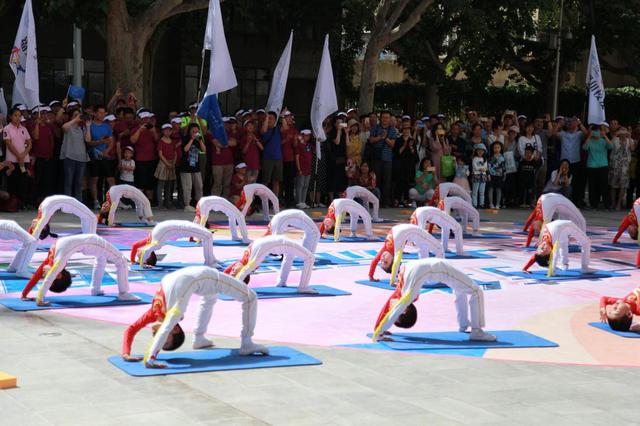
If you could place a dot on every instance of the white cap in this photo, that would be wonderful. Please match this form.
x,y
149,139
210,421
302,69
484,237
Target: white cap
x,y
72,104
146,114
305,132
54,102
193,105
21,107
406,117
341,113
176,120
258,111
22,119
287,113
241,166
522,116
130,148
351,110
605,124
41,109
225,119
166,126
110,117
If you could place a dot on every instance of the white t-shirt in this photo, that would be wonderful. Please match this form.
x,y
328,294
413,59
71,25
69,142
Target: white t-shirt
x,y
127,176
535,143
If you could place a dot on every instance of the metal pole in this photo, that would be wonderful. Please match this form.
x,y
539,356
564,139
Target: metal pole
x,y
556,79
315,182
77,56
201,72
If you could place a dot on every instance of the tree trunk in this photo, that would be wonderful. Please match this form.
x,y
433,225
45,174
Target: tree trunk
x,y
432,104
369,77
125,56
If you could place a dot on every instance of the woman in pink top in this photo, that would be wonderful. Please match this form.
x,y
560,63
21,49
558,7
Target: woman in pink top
x,y
18,145
439,146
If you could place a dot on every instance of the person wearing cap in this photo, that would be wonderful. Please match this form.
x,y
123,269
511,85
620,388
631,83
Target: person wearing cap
x,y
352,114
57,279
383,136
99,139
17,142
479,174
221,157
597,147
250,148
192,117
44,163
166,168
271,135
73,154
527,168
122,130
304,158
238,181
144,138
553,245
619,166
190,176
289,144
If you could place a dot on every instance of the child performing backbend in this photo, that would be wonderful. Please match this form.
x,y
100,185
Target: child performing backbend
x,y
447,224
58,279
630,224
108,210
549,207
338,208
554,238
401,311
213,203
252,190
258,251
10,230
40,225
464,209
390,255
619,312
171,302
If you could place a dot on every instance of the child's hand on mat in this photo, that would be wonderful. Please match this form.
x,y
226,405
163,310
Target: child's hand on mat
x,y
635,327
152,364
603,315
130,358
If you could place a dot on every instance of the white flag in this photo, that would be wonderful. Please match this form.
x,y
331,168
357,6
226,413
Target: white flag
x,y
325,101
595,87
24,59
279,82
221,74
4,110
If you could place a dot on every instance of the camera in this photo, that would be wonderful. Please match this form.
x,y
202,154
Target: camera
x,y
149,126
85,117
343,125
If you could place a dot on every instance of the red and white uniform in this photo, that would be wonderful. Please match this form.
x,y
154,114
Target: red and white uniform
x,y
341,206
117,192
172,299
367,197
297,219
10,230
632,299
557,234
275,244
432,215
630,219
88,245
64,204
551,207
252,190
448,189
464,209
469,296
398,238
213,203
172,230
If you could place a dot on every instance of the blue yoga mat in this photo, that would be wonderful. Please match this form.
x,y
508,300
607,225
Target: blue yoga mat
x,y
454,352
623,245
215,360
455,340
11,276
560,275
605,327
73,301
223,243
481,236
133,225
574,248
427,287
291,292
344,239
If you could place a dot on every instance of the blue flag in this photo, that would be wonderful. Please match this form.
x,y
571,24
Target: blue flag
x,y
76,92
210,110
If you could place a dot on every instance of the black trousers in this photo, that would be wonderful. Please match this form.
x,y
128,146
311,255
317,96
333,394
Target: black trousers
x,y
578,182
46,177
288,186
597,177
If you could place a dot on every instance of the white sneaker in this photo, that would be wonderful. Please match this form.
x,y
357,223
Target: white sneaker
x,y
377,220
308,290
320,205
201,342
414,205
151,222
127,297
97,293
463,329
251,348
189,209
300,205
481,336
588,270
492,207
306,206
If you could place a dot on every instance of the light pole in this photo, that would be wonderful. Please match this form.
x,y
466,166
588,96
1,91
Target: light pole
x,y
556,78
77,56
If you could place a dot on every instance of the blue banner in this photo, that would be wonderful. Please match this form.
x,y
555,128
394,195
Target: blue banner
x,y
210,110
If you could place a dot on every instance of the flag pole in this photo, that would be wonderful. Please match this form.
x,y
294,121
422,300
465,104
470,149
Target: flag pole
x,y
201,73
315,181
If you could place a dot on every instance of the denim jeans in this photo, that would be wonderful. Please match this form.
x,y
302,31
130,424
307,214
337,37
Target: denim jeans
x,y
73,175
477,191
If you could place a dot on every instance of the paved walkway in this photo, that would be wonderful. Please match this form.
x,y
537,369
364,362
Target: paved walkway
x,y
64,378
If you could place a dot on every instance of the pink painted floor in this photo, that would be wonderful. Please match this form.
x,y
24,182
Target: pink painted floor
x,y
556,311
